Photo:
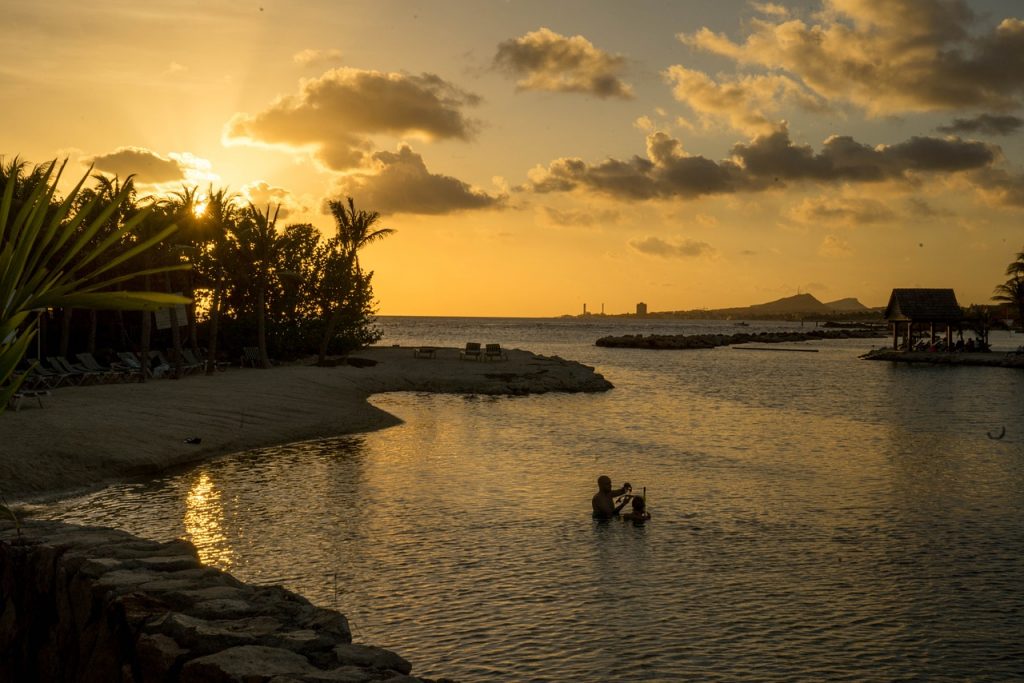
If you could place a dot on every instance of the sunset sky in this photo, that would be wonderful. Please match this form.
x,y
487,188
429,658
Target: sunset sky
x,y
534,156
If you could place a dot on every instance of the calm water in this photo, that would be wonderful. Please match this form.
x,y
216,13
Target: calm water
x,y
815,517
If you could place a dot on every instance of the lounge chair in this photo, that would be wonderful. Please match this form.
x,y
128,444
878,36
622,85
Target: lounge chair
x,y
424,352
72,373
187,366
201,362
14,402
89,363
471,352
494,352
251,355
38,377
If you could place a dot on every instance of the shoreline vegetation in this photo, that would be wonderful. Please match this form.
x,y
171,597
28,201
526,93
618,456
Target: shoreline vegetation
x,y
710,341
981,359
91,435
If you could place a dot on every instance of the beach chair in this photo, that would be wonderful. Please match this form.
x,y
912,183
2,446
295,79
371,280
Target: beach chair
x,y
38,377
187,366
201,361
14,402
159,363
72,375
424,352
89,363
494,352
251,355
471,352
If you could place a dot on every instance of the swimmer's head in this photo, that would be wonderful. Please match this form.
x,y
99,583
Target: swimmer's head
x,y
604,483
638,504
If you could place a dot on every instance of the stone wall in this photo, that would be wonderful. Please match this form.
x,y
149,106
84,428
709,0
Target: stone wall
x,y
97,604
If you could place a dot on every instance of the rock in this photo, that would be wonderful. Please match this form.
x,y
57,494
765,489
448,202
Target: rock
x,y
364,655
245,664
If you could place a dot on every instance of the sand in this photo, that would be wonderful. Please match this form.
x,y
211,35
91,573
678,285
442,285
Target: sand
x,y
86,436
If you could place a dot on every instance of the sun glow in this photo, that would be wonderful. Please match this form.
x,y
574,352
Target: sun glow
x,y
199,208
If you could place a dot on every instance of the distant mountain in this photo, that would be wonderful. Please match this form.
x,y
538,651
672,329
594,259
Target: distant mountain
x,y
798,303
848,305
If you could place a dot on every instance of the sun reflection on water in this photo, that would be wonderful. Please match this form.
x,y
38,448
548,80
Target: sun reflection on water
x,y
204,522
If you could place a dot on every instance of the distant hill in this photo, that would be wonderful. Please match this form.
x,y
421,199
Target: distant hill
x,y
848,305
798,303
795,307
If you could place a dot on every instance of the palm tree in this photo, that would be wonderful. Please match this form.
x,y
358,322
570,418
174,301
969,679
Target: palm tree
x,y
218,220
1012,291
257,243
354,230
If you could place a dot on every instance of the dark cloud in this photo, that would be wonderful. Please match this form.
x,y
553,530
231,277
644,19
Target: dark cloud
x,y
985,124
335,112
843,158
401,183
888,56
766,161
545,60
655,246
146,166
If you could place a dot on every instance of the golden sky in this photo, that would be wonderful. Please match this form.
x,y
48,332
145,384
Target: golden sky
x,y
534,156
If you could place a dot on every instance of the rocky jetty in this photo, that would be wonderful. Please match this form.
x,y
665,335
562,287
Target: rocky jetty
x,y
710,341
982,359
97,604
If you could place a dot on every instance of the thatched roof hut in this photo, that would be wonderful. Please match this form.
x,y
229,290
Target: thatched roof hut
x,y
922,307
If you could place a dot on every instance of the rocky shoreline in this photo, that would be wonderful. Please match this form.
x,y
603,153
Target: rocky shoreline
x,y
97,604
710,341
980,359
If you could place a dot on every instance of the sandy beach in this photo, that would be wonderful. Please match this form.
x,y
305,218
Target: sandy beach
x,y
85,436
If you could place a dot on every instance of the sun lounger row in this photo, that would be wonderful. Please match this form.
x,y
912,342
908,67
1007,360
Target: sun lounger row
x,y
489,352
57,371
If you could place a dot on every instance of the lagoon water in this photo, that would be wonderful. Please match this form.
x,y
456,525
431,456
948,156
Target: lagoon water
x,y
815,516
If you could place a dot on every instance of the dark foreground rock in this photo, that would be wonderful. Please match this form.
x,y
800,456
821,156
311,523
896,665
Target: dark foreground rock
x,y
97,604
983,359
710,341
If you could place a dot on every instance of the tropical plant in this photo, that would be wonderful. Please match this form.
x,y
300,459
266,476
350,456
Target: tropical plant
x,y
48,258
257,244
1012,291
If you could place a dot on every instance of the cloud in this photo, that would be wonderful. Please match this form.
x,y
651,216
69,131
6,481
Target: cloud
x,y
310,57
743,102
146,166
263,194
174,68
580,218
334,113
986,124
843,158
545,60
834,247
849,212
766,161
401,183
655,246
887,56
770,8
1000,186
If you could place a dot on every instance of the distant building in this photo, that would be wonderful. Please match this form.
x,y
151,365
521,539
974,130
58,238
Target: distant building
x,y
641,308
922,307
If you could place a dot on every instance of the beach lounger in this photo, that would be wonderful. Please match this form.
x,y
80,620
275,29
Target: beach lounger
x,y
89,362
188,366
201,362
471,352
424,352
22,394
494,352
38,377
74,375
251,355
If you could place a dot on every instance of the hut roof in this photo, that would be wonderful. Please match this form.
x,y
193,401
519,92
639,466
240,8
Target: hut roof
x,y
923,305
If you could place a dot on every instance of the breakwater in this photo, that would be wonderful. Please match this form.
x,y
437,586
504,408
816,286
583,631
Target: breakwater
x,y
98,604
985,359
710,341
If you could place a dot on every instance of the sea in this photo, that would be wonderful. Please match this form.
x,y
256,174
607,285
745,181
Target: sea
x,y
815,516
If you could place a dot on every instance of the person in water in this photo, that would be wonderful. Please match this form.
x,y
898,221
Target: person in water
x,y
603,501
639,513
